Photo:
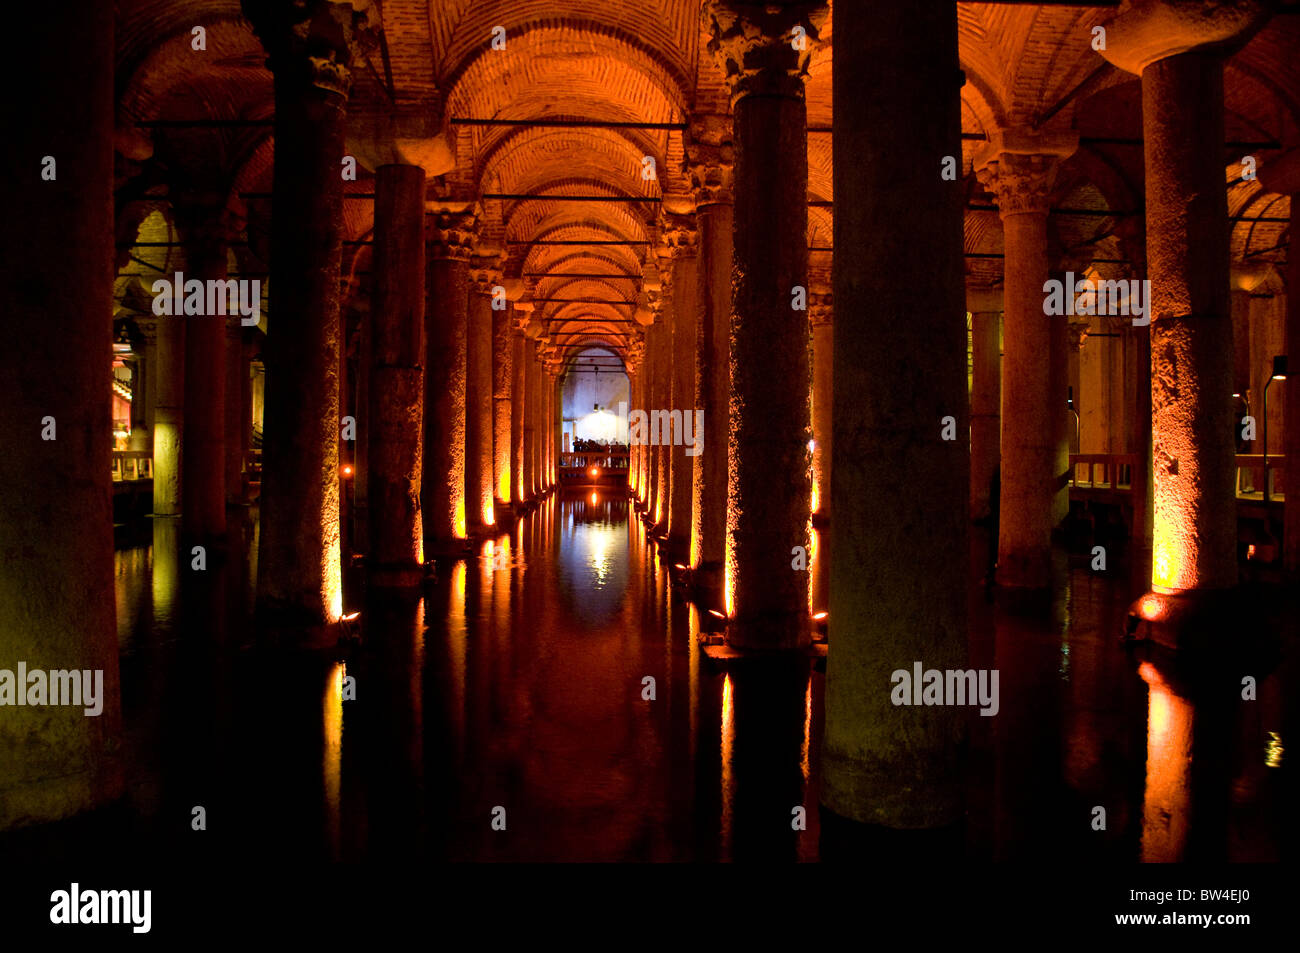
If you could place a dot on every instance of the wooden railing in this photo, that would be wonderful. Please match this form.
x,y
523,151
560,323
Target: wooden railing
x,y
603,465
1113,472
131,465
1102,471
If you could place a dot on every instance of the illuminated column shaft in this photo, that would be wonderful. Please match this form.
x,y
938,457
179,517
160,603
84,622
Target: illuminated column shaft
x,y
442,495
1191,332
394,409
822,335
519,491
1020,180
503,359
531,483
662,401
299,573
479,470
681,237
203,461
769,492
56,512
1177,49
985,306
169,414
898,578
711,167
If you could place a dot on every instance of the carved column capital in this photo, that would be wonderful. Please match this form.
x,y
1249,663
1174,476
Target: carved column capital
x,y
678,238
711,159
821,308
1019,167
314,41
764,48
451,233
1147,31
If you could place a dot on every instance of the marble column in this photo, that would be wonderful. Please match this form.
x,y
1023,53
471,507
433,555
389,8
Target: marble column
x,y
56,512
299,571
711,159
985,306
485,275
237,422
450,235
1018,168
661,400
394,408
900,494
1178,51
169,415
532,483
769,488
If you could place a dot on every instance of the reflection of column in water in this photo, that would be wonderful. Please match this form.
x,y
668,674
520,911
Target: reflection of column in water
x,y
333,756
166,570
818,570
1167,800
457,637
728,743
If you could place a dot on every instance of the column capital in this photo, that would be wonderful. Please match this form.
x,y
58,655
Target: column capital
x,y
678,237
451,229
314,41
711,159
1018,167
485,269
764,48
147,325
984,299
1147,31
821,308
1079,328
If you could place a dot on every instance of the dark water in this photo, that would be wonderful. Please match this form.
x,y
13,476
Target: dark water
x,y
514,690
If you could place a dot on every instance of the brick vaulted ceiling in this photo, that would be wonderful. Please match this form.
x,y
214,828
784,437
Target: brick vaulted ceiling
x,y
647,61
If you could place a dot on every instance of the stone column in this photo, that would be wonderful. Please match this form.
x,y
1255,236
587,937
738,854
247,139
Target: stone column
x,y
521,490
503,363
56,511
299,572
149,387
1018,168
661,399
711,160
680,243
485,275
635,360
769,490
394,409
900,570
985,306
1195,518
169,415
237,412
450,235
532,484
204,229
821,338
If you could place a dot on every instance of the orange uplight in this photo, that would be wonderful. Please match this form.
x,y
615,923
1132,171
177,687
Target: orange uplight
x,y
819,616
595,471
346,470
351,615
1151,608
1250,551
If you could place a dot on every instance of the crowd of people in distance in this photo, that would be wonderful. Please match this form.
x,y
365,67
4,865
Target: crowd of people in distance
x,y
598,446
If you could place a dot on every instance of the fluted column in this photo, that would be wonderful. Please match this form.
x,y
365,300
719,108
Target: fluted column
x,y
985,306
299,573
205,230
900,491
479,471
450,234
56,512
1018,168
1177,49
769,489
711,158
394,410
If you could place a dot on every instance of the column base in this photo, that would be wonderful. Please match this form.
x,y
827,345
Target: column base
x,y
446,549
1189,621
770,634
846,840
706,586
1028,571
